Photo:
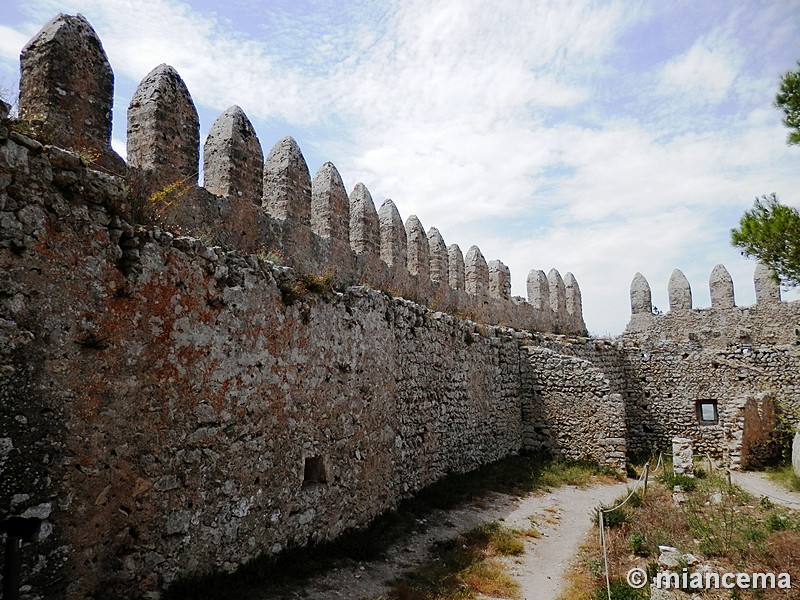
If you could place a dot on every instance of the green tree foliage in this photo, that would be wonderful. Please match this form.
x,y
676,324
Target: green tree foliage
x,y
770,232
788,100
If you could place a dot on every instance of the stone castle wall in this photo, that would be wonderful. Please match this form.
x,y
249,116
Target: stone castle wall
x,y
178,403
744,359
257,204
198,407
770,321
569,409
170,406
174,400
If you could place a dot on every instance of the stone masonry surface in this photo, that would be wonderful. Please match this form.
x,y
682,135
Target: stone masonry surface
x,y
191,377
170,405
163,413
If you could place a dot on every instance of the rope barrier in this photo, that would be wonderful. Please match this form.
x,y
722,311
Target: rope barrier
x,y
660,463
642,481
605,554
601,520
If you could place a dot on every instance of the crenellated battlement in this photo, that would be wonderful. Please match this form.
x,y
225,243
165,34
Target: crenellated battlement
x,y
233,161
205,374
163,130
67,89
253,203
723,323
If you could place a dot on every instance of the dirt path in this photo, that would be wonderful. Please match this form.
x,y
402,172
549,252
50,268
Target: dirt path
x,y
759,485
562,516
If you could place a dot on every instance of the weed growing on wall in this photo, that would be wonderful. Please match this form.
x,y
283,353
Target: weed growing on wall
x,y
272,255
32,127
307,283
150,210
88,156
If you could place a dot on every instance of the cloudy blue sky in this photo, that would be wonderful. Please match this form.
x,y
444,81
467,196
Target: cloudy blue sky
x,y
597,137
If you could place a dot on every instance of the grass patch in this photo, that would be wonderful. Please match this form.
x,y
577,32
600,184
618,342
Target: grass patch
x,y
319,283
307,283
721,525
514,475
273,255
784,476
464,567
579,473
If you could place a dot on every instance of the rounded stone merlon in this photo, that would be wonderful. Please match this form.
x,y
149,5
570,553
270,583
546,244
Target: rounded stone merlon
x,y
573,296
233,161
641,297
66,82
439,262
499,280
287,183
364,228
455,268
558,292
419,253
766,283
163,127
679,291
394,243
538,289
720,286
476,273
330,207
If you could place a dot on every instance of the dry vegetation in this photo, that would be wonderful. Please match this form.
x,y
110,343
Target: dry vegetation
x,y
721,525
460,568
785,476
468,566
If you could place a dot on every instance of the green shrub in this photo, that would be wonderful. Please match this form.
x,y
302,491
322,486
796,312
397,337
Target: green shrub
x,y
635,543
688,484
614,518
620,590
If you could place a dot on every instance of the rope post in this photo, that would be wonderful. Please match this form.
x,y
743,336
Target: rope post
x,y
646,476
605,554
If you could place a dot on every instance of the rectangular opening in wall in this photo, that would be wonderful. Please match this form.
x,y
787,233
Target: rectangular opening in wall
x,y
707,412
314,471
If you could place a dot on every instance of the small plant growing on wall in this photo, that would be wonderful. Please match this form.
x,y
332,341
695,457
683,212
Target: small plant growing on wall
x,y
88,156
273,255
150,210
319,283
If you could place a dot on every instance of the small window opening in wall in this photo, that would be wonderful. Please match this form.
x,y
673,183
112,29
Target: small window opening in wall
x,y
314,471
707,412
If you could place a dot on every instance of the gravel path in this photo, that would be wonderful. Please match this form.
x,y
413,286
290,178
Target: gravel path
x,y
563,516
759,485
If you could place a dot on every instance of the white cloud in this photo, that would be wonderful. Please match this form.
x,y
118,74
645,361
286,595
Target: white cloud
x,y
704,73
11,43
